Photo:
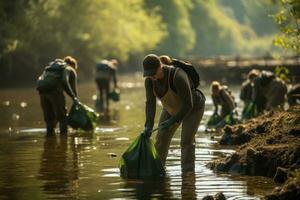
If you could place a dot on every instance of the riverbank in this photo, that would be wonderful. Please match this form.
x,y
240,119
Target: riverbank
x,y
269,146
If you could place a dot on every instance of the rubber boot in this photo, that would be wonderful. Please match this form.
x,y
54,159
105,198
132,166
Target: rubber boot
x,y
63,127
99,105
50,129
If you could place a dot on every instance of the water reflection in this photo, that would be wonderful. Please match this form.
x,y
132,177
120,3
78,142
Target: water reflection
x,y
188,187
59,168
110,118
138,189
48,168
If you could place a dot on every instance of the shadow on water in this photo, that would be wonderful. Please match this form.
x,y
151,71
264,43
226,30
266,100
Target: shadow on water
x,y
59,168
138,189
84,165
109,119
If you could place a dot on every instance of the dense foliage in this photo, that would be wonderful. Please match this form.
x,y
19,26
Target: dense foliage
x,y
288,19
33,32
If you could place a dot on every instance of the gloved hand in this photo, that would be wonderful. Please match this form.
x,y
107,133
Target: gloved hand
x,y
75,100
166,124
147,132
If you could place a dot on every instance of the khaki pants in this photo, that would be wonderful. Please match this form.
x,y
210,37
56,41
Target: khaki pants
x,y
189,128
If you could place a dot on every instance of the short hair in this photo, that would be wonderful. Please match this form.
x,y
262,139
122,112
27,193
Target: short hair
x,y
71,61
215,85
165,59
253,73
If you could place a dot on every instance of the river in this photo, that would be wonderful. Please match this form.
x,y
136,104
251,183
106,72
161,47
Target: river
x,y
85,165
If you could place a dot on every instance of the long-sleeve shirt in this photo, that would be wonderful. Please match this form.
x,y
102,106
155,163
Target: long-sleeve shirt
x,y
105,71
181,86
224,99
70,81
114,76
246,91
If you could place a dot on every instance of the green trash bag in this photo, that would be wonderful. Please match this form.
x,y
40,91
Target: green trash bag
x,y
249,111
214,120
229,119
115,95
141,160
82,117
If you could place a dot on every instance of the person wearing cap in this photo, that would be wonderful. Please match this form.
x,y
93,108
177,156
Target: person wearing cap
x,y
106,71
53,101
182,104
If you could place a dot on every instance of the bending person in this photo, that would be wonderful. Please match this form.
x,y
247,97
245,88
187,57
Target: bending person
x,y
105,73
59,76
181,105
272,88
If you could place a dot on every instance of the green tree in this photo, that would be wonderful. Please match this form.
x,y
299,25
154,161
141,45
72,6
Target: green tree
x,y
180,34
222,30
288,19
35,32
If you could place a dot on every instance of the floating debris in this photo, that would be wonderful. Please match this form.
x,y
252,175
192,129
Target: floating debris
x,y
127,107
106,130
6,103
33,130
15,117
112,154
122,139
94,97
23,104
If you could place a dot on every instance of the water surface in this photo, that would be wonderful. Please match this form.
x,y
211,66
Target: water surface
x,y
84,165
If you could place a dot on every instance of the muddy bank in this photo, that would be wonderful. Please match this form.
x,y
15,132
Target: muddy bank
x,y
289,191
275,127
269,146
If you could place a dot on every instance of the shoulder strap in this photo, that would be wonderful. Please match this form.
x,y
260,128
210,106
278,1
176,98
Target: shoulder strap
x,y
223,98
172,74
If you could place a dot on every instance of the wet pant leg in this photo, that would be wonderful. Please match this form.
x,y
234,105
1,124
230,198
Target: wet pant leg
x,y
190,126
48,112
164,136
59,104
100,90
107,90
224,111
103,87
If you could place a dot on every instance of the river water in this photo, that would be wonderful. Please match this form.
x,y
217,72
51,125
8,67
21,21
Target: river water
x,y
85,165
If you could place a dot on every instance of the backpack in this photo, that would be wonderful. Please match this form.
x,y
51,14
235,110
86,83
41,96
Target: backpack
x,y
103,70
190,70
51,78
266,77
225,87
